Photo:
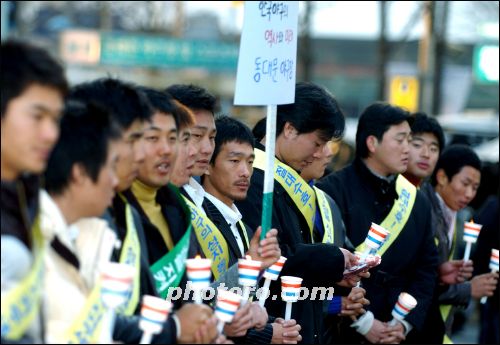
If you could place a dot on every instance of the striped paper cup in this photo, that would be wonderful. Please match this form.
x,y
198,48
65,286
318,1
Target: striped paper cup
x,y
199,272
227,305
274,271
154,313
403,306
248,272
376,236
290,288
471,231
116,283
494,260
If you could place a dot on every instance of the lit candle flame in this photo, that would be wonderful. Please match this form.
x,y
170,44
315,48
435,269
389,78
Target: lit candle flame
x,y
197,256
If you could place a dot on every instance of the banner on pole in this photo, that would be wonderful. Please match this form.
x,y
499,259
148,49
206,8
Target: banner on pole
x,y
268,54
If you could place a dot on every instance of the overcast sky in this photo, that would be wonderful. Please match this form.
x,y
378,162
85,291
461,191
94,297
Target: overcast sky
x,y
360,19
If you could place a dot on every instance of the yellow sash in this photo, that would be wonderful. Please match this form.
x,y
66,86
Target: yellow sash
x,y
445,309
131,255
301,193
211,240
326,216
399,214
86,328
21,304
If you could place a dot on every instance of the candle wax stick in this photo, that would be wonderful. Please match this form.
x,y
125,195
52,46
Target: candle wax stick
x,y
264,292
146,338
467,251
288,311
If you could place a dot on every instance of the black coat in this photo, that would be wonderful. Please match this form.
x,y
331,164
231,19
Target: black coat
x,y
319,265
410,264
220,222
176,216
117,221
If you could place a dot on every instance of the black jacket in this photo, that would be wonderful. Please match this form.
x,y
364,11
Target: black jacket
x,y
19,207
116,218
319,265
409,265
176,215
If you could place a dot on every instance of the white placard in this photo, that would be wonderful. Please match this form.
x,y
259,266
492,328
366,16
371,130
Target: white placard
x,y
268,54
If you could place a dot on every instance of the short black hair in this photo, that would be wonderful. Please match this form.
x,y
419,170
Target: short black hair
x,y
86,130
23,65
375,120
123,99
228,130
259,130
453,159
193,96
161,101
422,123
314,109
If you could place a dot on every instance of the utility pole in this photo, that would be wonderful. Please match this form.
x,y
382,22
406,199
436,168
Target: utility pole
x,y
440,52
382,51
305,47
106,21
178,30
426,59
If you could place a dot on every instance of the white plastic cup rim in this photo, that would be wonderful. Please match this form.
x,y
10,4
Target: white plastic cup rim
x,y
156,303
290,280
380,229
407,300
472,226
116,271
198,263
253,264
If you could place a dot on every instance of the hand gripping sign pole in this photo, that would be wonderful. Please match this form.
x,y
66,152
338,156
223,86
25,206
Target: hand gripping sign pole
x,y
266,74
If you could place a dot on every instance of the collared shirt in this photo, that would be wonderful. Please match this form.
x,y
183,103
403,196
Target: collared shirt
x,y
450,217
232,216
196,193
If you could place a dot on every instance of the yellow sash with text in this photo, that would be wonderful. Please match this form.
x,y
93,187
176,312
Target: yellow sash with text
x,y
211,240
399,214
326,216
301,193
86,329
21,304
445,309
131,255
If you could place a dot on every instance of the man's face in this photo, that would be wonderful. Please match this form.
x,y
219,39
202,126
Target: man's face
x,y
130,155
97,196
160,147
316,169
186,158
300,150
203,133
462,188
391,154
424,153
30,129
229,176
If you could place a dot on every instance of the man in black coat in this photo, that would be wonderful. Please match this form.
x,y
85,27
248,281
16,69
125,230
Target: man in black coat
x,y
302,128
371,190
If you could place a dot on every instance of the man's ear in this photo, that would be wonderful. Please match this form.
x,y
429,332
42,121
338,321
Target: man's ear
x,y
289,131
78,174
441,178
371,143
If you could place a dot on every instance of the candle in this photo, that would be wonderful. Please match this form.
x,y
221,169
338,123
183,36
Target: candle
x,y
154,313
271,273
116,286
248,273
404,305
290,290
471,233
376,237
493,267
199,274
227,304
